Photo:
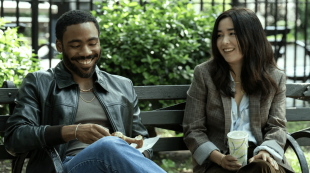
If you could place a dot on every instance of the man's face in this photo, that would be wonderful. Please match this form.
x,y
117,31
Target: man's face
x,y
81,49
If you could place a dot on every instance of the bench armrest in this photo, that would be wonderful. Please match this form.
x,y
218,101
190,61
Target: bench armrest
x,y
301,134
56,159
300,155
19,162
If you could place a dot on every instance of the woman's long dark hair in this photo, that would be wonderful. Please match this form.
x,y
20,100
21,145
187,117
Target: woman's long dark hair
x,y
257,55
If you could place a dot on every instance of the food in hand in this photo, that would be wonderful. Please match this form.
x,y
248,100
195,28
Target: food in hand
x,y
137,140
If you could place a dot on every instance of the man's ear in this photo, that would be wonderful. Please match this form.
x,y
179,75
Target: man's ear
x,y
58,45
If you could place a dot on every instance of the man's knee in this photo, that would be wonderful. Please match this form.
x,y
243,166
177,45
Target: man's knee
x,y
109,142
104,146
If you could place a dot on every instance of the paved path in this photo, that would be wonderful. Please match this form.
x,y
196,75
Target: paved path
x,y
300,69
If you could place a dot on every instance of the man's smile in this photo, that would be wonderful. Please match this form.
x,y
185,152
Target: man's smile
x,y
85,60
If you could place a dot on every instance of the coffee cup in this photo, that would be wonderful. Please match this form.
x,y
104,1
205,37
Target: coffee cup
x,y
238,145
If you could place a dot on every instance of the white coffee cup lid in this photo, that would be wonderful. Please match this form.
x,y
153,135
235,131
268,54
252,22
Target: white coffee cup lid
x,y
237,134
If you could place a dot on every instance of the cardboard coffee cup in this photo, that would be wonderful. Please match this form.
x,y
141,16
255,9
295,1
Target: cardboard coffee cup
x,y
238,146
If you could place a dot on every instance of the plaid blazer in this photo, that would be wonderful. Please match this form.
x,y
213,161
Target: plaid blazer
x,y
207,115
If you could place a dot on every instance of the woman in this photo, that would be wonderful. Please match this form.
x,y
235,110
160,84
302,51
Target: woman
x,y
240,88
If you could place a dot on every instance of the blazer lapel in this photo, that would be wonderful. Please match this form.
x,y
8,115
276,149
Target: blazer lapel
x,y
227,111
255,117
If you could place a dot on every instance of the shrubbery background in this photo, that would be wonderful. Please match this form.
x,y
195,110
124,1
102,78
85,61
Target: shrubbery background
x,y
158,43
15,60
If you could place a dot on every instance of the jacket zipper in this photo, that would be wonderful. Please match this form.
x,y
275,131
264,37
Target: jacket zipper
x,y
71,122
105,110
77,106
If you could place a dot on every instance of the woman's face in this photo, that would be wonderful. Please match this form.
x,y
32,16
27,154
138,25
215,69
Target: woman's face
x,y
227,42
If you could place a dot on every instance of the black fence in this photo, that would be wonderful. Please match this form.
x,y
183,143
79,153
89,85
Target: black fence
x,y
285,23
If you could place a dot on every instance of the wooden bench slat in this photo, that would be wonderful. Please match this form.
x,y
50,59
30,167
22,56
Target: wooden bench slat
x,y
298,114
176,116
170,144
177,143
165,92
162,117
3,119
7,95
163,144
303,141
161,92
4,154
296,90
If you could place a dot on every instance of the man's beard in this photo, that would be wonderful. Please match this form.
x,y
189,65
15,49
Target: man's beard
x,y
75,69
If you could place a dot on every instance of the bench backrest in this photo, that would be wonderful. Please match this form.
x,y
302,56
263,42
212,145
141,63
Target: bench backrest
x,y
172,117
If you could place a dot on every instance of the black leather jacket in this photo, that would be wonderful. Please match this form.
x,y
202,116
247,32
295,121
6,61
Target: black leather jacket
x,y
49,98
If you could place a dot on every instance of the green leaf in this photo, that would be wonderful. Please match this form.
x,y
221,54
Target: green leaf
x,y
189,6
15,61
125,47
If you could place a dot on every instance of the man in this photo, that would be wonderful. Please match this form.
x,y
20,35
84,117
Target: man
x,y
75,104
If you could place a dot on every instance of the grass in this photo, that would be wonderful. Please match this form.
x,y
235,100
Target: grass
x,y
296,126
175,161
293,160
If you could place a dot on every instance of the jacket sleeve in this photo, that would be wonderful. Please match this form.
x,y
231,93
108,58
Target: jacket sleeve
x,y
137,127
194,128
23,130
275,129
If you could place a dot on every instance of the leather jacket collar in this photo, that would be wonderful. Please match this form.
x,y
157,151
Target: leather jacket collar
x,y
64,77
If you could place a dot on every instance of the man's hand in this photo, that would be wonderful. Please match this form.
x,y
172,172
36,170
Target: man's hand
x,y
86,133
230,163
137,140
90,133
264,155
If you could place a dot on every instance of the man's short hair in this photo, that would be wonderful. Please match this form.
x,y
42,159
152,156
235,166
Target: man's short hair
x,y
72,18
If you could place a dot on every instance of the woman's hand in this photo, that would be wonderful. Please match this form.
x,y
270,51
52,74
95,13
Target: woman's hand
x,y
230,163
226,161
264,155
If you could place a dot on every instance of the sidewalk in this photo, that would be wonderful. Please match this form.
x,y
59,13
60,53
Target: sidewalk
x,y
299,70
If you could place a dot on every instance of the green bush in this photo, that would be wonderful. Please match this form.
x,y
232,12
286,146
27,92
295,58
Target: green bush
x,y
304,24
159,43
15,62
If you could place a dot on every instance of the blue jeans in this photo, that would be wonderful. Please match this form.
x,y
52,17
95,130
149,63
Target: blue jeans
x,y
110,154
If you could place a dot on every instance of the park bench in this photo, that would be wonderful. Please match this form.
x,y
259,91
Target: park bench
x,y
170,118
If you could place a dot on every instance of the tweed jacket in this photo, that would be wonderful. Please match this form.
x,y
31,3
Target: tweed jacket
x,y
207,116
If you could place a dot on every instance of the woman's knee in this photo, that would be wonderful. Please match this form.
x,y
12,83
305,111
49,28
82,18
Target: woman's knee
x,y
259,163
257,166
